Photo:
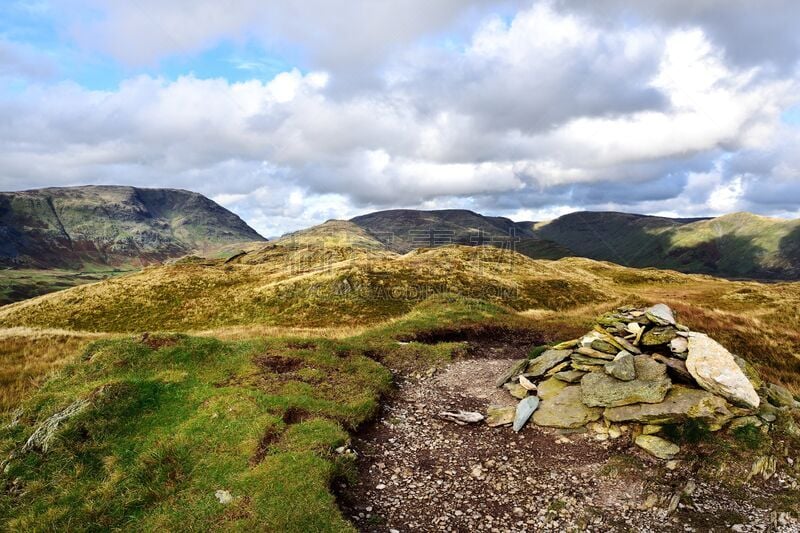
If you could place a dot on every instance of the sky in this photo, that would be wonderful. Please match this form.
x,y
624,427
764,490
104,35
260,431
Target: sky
x,y
292,112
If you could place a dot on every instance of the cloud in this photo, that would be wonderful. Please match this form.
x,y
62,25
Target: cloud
x,y
534,114
18,60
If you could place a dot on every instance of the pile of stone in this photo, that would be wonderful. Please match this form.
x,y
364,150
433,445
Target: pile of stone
x,y
635,372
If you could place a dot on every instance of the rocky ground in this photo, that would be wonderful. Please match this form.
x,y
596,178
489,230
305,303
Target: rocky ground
x,y
420,473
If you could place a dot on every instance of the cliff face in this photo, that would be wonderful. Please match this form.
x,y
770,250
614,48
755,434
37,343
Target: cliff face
x,y
100,226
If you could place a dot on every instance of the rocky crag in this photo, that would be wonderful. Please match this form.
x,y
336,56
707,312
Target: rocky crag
x,y
635,373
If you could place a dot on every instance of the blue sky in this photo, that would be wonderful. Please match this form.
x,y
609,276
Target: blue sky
x,y
290,113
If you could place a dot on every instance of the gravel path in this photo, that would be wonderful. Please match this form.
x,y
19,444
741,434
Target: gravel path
x,y
419,473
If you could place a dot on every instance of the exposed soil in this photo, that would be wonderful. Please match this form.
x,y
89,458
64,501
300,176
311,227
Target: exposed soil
x,y
419,473
484,341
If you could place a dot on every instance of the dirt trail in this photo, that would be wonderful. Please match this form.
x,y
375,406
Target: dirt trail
x,y
419,473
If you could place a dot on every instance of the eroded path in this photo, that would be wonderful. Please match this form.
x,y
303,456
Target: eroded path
x,y
419,473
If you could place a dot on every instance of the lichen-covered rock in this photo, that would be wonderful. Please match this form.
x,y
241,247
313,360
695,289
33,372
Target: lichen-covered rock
x,y
780,396
658,336
714,369
750,371
500,415
595,354
550,388
604,346
622,367
661,448
550,358
516,390
680,404
650,386
569,376
565,410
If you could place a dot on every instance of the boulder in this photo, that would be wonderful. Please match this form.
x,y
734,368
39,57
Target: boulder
x,y
565,410
650,386
622,367
524,410
550,358
714,369
500,415
680,404
658,336
660,314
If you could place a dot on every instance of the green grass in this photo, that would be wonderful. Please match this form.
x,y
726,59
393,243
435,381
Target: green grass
x,y
169,426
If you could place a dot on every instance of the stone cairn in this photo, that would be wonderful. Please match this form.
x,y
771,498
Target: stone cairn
x,y
635,372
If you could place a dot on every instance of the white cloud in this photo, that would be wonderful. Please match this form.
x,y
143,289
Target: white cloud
x,y
532,116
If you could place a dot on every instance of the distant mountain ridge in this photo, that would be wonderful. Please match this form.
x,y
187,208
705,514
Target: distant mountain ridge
x,y
110,226
739,245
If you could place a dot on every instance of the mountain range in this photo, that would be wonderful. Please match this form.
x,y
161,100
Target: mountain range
x,y
739,245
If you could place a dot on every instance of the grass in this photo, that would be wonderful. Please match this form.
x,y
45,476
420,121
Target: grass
x,y
170,424
21,284
28,357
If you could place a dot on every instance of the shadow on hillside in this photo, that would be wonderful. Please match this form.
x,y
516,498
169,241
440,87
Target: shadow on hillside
x,y
789,251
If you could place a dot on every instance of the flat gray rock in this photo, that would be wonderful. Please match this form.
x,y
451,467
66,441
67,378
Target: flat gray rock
x,y
525,409
550,358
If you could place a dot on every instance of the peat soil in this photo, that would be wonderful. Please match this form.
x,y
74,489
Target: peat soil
x,y
419,473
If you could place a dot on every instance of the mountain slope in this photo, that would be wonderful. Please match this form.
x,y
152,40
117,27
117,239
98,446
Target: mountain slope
x,y
101,226
402,230
739,245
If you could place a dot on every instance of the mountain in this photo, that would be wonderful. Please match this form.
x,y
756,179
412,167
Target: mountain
x,y
739,245
96,227
402,230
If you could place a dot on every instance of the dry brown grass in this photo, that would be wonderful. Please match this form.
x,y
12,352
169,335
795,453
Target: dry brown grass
x,y
28,356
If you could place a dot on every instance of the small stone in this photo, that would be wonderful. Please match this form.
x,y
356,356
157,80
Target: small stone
x,y
679,345
516,369
601,345
461,417
528,384
651,429
550,358
500,415
779,396
656,446
622,367
569,376
223,496
516,390
673,464
661,315
743,421
380,486
658,336
525,409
